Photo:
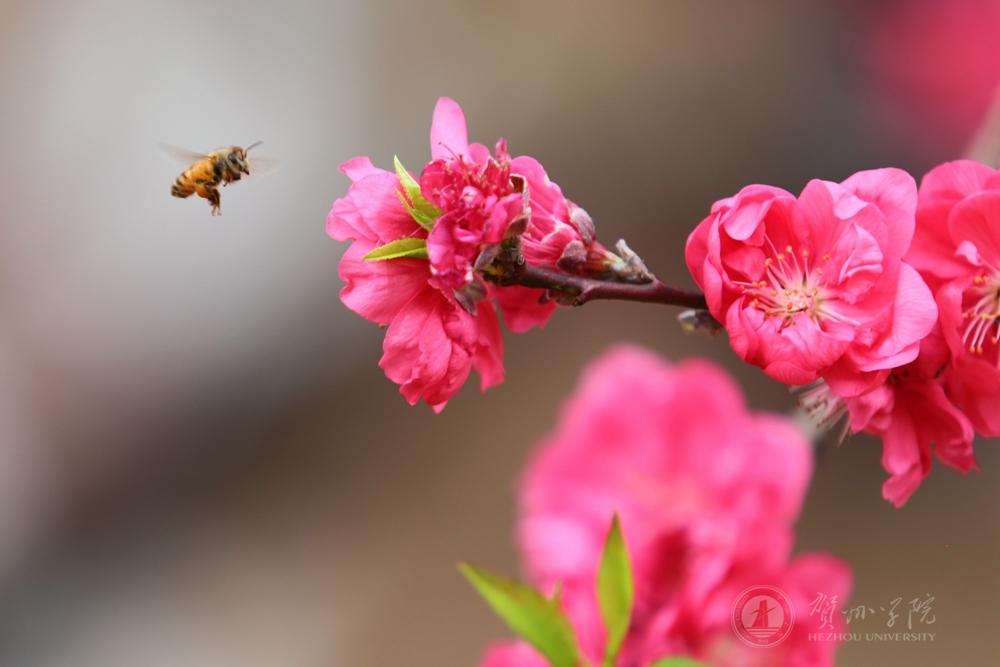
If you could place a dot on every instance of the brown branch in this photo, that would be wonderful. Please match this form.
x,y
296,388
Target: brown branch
x,y
581,290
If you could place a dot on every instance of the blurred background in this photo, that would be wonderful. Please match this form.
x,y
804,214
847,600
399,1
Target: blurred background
x,y
201,463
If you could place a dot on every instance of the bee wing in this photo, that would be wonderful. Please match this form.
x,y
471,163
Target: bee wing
x,y
182,155
262,166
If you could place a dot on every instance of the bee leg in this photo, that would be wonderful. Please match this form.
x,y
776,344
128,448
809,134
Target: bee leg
x,y
215,199
211,193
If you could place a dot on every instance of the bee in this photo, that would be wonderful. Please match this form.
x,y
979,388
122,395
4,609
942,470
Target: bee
x,y
207,172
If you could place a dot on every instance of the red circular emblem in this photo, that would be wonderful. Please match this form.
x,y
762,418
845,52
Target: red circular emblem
x,y
763,616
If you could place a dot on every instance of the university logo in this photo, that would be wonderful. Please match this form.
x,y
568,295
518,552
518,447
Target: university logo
x,y
762,616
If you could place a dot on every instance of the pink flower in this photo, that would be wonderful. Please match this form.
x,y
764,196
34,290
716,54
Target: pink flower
x,y
706,506
485,198
440,314
431,343
931,64
817,586
915,417
931,406
442,231
957,248
479,201
814,286
560,234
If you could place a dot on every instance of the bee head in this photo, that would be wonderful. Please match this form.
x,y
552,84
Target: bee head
x,y
237,159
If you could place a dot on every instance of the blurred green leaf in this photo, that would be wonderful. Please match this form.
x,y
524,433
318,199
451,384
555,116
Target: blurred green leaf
x,y
678,662
529,614
398,249
422,211
615,590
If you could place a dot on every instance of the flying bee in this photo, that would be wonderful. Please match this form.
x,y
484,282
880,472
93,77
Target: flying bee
x,y
207,172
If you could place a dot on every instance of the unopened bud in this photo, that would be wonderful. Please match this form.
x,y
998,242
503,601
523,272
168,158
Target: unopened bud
x,y
583,223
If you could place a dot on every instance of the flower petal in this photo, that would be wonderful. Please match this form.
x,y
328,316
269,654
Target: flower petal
x,y
449,136
913,315
523,307
894,193
976,220
378,290
371,210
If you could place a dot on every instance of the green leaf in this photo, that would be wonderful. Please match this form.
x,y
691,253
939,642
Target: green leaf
x,y
398,249
615,591
422,211
529,614
678,662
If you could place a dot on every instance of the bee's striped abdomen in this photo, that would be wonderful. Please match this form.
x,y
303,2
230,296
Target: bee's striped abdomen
x,y
197,174
183,186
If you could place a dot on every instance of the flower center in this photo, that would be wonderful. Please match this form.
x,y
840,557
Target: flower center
x,y
792,284
983,315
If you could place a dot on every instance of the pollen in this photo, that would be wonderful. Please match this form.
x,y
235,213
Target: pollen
x,y
790,287
982,327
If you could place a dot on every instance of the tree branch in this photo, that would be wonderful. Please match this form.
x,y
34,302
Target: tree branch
x,y
581,289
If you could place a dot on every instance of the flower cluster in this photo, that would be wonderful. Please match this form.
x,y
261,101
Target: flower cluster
x,y
706,505
421,249
885,300
879,299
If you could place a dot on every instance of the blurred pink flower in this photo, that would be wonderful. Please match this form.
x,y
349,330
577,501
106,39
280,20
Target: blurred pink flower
x,y
814,286
707,493
512,654
431,343
933,69
957,248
